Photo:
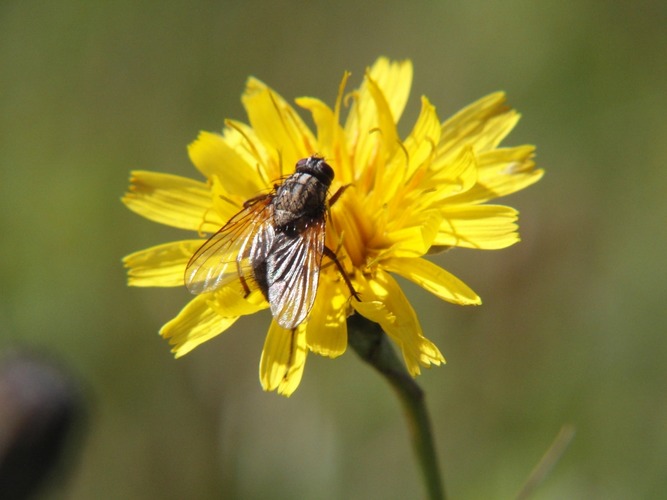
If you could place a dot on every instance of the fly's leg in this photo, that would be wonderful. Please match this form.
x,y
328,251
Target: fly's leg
x,y
244,283
332,255
337,194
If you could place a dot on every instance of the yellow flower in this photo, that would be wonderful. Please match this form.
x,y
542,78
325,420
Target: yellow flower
x,y
406,197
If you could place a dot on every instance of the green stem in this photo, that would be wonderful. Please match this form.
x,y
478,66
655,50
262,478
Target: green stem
x,y
371,344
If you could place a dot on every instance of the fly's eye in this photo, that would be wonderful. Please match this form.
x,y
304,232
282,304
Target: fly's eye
x,y
317,167
325,170
301,165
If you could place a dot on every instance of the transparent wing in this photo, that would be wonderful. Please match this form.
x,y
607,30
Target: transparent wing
x,y
293,272
228,254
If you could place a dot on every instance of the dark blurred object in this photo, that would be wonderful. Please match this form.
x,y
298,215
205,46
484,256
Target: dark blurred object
x,y
41,406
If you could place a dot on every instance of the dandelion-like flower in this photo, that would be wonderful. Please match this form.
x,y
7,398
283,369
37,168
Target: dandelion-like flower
x,y
404,198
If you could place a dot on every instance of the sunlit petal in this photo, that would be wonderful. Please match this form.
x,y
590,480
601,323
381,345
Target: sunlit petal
x,y
388,306
285,135
485,227
413,240
433,279
231,300
161,265
283,359
326,330
483,124
215,158
392,81
196,323
501,172
169,199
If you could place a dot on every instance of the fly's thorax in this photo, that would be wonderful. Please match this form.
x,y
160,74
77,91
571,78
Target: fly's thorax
x,y
298,201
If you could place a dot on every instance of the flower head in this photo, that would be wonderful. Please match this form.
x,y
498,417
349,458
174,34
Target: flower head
x,y
404,198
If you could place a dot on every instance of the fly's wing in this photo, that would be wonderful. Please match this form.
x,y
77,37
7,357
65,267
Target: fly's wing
x,y
229,253
293,272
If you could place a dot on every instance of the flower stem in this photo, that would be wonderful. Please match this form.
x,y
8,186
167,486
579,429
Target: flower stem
x,y
372,346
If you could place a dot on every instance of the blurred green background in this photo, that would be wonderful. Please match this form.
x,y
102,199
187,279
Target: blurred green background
x,y
572,330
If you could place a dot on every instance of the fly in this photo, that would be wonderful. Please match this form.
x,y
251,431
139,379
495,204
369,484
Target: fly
x,y
276,244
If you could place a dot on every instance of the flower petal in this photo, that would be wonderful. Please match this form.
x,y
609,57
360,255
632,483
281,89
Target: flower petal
x,y
384,303
330,138
394,78
325,122
433,279
386,123
170,199
196,323
501,172
379,102
485,227
457,175
283,359
402,178
286,137
423,139
414,237
483,124
215,158
231,301
326,330
161,265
